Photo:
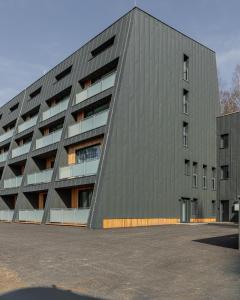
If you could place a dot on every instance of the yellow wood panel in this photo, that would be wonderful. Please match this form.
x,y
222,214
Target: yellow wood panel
x,y
80,116
118,223
41,200
74,198
203,220
45,131
49,160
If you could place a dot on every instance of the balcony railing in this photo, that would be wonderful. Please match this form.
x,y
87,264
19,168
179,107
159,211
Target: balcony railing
x,y
12,182
49,139
6,215
5,136
61,106
21,150
40,177
69,215
96,88
86,168
30,215
90,123
3,156
27,124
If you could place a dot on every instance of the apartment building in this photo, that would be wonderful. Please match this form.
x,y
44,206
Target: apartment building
x,y
119,134
228,162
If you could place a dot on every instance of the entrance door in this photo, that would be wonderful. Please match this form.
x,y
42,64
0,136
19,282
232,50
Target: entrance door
x,y
225,211
185,210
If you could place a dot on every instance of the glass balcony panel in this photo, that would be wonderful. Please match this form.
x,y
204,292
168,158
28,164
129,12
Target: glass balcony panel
x,y
6,215
7,135
3,156
40,177
21,150
86,168
30,215
102,85
69,215
61,106
28,124
12,182
90,123
49,139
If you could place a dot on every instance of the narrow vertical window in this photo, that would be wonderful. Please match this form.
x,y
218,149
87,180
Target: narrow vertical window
x,y
224,141
187,167
195,174
213,210
224,172
185,134
185,102
204,178
213,179
185,67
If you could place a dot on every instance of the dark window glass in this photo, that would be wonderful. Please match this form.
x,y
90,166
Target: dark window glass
x,y
224,172
224,141
86,154
84,199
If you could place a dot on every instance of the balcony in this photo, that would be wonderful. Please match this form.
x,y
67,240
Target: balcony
x,y
40,177
69,215
21,150
49,139
28,124
3,156
96,88
61,106
90,123
12,182
86,168
30,215
6,215
7,135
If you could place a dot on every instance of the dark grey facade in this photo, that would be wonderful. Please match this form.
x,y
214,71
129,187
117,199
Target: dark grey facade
x,y
228,161
121,133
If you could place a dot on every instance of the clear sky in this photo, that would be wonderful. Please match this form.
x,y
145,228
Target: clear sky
x,y
35,35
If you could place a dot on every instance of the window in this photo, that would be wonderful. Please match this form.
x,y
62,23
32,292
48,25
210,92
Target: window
x,y
224,172
55,128
35,93
185,134
224,141
86,154
84,199
187,167
185,102
195,174
213,208
185,67
213,178
64,73
96,110
194,207
204,183
103,47
14,107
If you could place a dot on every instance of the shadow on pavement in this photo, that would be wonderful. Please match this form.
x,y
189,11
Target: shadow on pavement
x,y
40,293
226,241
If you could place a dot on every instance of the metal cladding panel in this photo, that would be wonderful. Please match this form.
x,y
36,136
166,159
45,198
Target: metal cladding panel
x,y
229,189
142,170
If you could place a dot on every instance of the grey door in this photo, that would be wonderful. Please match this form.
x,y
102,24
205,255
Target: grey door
x,y
225,211
185,210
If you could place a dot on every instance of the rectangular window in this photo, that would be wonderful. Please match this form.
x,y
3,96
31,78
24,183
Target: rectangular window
x,y
213,208
194,207
185,134
185,102
213,179
224,141
86,154
84,199
187,167
185,67
35,93
64,73
224,172
204,183
14,107
103,47
195,174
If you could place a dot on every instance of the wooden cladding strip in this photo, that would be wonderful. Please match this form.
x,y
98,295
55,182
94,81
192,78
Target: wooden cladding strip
x,y
72,149
119,223
203,220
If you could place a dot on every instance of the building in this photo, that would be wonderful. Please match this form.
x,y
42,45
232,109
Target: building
x,y
228,162
121,133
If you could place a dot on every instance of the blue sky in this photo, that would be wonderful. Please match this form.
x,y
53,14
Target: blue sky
x,y
38,34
